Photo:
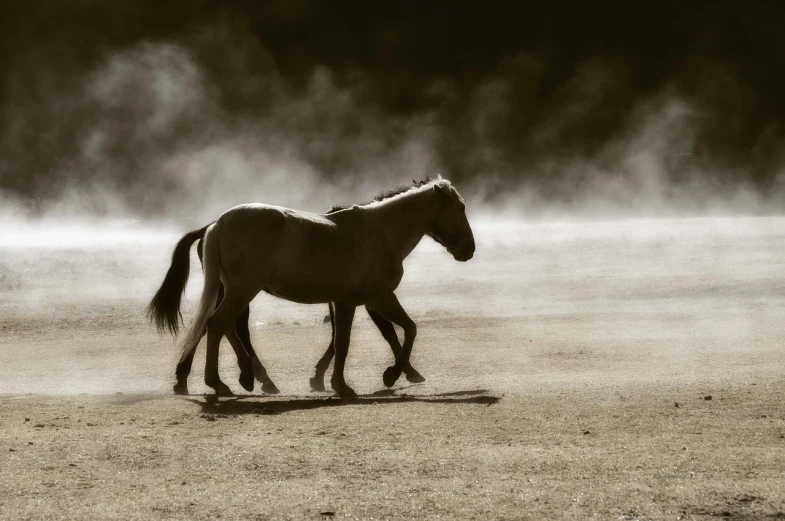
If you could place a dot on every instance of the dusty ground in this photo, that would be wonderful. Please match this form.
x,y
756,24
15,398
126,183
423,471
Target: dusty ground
x,y
569,373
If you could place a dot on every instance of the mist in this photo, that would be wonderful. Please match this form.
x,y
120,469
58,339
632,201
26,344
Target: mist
x,y
177,126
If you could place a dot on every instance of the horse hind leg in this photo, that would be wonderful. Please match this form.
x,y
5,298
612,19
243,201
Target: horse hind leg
x,y
243,359
241,343
344,315
182,372
184,367
254,368
268,386
217,326
317,382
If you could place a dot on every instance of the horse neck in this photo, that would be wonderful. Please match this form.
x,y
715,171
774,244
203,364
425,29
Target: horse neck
x,y
406,219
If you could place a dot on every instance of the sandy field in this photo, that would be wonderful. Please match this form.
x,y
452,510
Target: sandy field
x,y
610,370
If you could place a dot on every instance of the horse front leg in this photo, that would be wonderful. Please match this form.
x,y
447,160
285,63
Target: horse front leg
x,y
317,382
387,330
344,316
391,309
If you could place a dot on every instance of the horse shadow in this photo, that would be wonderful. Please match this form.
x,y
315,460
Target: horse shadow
x,y
214,406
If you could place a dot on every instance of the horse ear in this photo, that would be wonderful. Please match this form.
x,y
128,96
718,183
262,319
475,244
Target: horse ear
x,y
441,190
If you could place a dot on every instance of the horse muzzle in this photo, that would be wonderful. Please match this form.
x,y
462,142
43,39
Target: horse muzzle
x,y
465,251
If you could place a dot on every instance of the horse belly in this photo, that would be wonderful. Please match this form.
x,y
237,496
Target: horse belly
x,y
308,282
332,276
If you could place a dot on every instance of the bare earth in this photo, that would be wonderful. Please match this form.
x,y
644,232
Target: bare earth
x,y
611,370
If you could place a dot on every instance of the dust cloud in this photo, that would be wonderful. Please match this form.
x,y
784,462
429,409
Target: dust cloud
x,y
177,129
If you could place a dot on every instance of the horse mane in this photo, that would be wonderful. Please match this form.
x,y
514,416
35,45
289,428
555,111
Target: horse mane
x,y
388,194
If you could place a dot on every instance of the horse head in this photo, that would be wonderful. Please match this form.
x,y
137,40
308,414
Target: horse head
x,y
449,226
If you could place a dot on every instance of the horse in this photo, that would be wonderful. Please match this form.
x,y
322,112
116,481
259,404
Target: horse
x,y
251,366
349,258
247,364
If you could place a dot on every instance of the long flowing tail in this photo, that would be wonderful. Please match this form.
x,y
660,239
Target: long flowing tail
x,y
212,281
164,309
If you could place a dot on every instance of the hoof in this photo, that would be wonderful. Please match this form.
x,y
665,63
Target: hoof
x,y
221,389
247,381
347,393
414,377
317,384
391,375
180,388
259,372
343,390
269,387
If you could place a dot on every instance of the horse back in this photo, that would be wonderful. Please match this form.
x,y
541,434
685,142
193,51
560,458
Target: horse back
x,y
306,257
348,255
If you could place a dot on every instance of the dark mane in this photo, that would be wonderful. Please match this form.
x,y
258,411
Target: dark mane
x,y
336,208
401,189
386,194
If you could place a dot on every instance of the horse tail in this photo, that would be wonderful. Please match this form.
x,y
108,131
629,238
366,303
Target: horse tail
x,y
164,309
211,265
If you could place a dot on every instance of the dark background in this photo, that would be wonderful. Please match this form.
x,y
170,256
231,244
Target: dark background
x,y
551,98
